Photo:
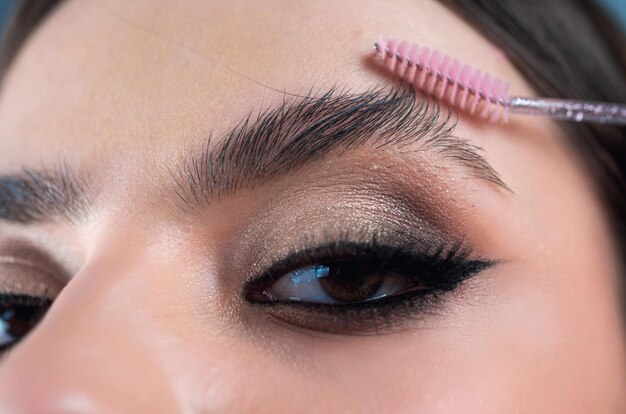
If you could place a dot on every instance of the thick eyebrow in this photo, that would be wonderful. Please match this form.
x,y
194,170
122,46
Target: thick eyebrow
x,y
302,130
32,196
261,148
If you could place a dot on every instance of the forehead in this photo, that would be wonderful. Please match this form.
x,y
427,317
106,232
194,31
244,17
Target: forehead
x,y
128,78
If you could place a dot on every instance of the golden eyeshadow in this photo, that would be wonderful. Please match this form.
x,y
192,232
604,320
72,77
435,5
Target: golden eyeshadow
x,y
316,215
27,270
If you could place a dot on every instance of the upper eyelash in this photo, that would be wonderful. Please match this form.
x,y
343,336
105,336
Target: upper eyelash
x,y
387,314
456,255
7,298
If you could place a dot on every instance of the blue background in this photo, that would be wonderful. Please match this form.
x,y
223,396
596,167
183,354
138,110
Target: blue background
x,y
619,8
5,10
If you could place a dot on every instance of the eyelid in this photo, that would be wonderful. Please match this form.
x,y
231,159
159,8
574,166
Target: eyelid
x,y
21,277
12,260
26,269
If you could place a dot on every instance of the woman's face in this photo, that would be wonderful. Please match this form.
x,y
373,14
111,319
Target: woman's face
x,y
214,243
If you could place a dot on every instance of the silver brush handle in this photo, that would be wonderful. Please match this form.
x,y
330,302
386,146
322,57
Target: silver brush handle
x,y
570,110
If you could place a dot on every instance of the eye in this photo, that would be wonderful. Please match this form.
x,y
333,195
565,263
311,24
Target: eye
x,y
338,282
19,314
350,287
30,279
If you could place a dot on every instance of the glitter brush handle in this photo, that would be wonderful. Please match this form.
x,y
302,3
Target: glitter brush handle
x,y
482,94
570,110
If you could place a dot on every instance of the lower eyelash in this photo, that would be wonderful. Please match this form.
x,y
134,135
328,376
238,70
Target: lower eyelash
x,y
365,318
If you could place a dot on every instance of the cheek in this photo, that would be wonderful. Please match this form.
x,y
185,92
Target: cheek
x,y
556,341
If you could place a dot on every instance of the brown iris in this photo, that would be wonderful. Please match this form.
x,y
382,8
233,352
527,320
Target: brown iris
x,y
350,282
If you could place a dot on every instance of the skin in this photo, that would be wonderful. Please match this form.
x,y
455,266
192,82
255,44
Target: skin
x,y
149,317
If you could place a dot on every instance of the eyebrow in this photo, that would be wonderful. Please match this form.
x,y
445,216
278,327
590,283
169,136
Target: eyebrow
x,y
268,145
32,196
301,130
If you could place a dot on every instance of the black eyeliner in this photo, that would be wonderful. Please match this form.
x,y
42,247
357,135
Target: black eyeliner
x,y
439,270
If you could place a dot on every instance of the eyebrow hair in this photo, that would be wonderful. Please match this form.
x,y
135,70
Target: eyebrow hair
x,y
32,196
301,130
261,148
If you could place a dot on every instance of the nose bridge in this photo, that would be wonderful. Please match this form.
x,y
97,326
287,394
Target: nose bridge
x,y
90,354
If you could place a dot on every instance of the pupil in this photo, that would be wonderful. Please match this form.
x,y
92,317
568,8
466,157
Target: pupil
x,y
350,282
17,320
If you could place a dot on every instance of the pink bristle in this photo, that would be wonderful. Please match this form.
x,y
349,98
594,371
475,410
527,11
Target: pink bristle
x,y
433,64
485,87
455,74
503,96
412,71
382,47
495,114
466,72
443,69
423,60
402,52
434,73
475,84
495,91
393,47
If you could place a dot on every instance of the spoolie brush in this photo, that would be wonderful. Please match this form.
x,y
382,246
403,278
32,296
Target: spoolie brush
x,y
469,90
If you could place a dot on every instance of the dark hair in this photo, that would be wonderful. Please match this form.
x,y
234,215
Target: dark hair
x,y
564,48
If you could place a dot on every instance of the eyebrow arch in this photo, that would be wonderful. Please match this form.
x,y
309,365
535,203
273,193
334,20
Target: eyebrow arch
x,y
301,130
33,196
261,148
